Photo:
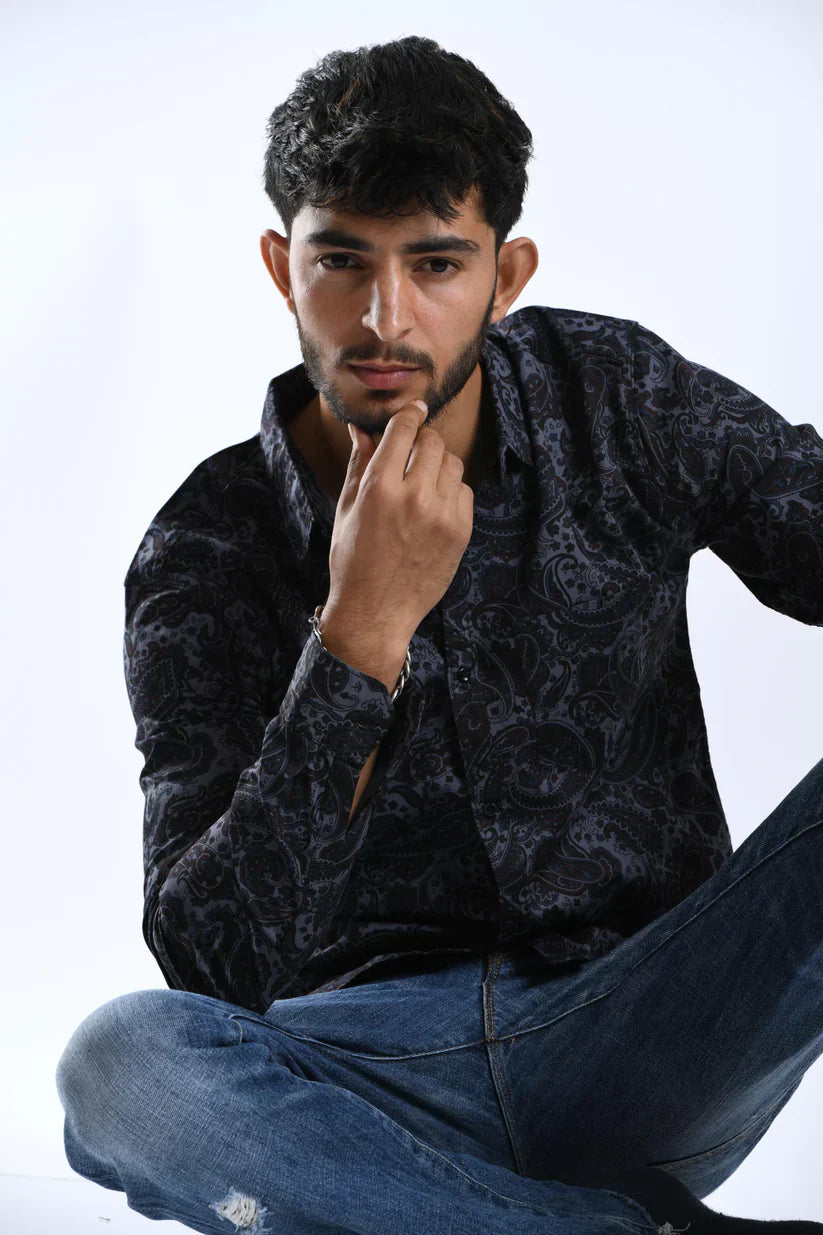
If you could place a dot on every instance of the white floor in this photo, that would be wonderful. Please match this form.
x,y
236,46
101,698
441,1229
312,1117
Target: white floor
x,y
33,1205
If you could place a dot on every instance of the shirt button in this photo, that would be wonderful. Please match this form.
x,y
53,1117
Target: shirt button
x,y
463,676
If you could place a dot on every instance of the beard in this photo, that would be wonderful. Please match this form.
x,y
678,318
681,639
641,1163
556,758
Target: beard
x,y
437,396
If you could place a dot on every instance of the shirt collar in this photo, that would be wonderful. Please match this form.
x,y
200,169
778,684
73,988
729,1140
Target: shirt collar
x,y
304,506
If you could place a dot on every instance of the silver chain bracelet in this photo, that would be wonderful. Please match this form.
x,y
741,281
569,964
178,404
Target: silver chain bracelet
x,y
405,672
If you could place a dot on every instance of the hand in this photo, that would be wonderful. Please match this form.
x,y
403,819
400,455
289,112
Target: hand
x,y
402,524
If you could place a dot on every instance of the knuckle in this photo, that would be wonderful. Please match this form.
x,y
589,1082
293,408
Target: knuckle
x,y
417,504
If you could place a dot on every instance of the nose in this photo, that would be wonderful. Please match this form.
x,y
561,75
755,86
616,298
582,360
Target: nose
x,y
390,313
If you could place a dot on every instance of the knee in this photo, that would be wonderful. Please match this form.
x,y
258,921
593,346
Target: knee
x,y
101,1048
125,1048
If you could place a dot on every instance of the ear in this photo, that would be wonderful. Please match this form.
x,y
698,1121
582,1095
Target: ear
x,y
516,264
274,250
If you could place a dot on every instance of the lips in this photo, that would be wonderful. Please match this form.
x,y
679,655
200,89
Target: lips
x,y
381,379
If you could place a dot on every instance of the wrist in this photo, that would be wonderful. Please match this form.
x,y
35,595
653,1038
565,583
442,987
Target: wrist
x,y
384,657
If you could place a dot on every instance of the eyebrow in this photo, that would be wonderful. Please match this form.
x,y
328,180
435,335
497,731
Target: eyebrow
x,y
429,244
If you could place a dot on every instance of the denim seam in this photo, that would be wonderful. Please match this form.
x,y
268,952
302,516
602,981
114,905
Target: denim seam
x,y
500,1082
343,1050
647,1226
505,1098
724,1145
516,1033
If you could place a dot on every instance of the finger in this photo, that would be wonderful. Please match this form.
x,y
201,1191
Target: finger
x,y
363,444
362,449
392,455
426,458
451,473
465,504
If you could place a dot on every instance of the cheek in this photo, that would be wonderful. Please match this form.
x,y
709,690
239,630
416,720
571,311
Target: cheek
x,y
322,314
330,311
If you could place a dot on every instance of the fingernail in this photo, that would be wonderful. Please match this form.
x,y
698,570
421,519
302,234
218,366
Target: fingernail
x,y
423,406
350,428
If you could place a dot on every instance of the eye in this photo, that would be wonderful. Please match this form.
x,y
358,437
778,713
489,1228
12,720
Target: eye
x,y
450,265
331,257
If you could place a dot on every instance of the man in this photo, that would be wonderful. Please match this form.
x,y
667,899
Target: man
x,y
436,867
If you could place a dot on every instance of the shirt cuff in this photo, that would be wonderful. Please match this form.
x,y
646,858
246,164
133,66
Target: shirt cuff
x,y
337,706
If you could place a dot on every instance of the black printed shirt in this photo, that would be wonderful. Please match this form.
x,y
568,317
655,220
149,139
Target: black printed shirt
x,y
544,778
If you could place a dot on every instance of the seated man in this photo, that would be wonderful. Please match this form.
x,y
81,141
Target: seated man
x,y
436,868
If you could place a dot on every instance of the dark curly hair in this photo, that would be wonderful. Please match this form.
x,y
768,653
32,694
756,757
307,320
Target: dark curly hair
x,y
394,128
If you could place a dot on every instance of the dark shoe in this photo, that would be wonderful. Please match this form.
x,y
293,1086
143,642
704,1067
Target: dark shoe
x,y
680,1212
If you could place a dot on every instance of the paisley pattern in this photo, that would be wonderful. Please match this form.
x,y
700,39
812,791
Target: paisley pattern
x,y
545,775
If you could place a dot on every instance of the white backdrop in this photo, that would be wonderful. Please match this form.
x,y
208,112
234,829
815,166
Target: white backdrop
x,y
676,181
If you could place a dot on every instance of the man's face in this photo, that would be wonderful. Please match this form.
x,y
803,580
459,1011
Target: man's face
x,y
359,297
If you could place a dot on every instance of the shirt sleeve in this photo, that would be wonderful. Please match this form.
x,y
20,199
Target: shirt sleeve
x,y
247,843
727,472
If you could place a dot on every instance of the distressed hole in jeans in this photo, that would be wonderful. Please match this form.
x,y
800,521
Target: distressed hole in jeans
x,y
244,1212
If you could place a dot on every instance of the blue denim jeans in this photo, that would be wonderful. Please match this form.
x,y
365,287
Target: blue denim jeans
x,y
477,1094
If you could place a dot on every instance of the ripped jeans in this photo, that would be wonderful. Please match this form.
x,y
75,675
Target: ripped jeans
x,y
460,1095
